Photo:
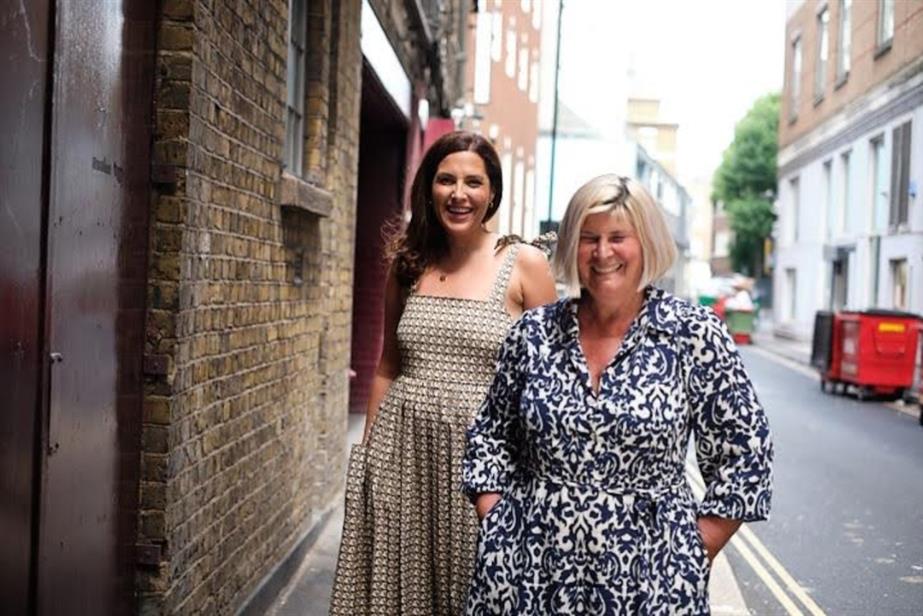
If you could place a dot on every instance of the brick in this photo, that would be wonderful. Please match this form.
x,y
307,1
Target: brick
x,y
178,9
157,410
175,37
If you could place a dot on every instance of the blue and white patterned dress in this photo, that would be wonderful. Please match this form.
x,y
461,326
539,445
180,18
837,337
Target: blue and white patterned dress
x,y
596,516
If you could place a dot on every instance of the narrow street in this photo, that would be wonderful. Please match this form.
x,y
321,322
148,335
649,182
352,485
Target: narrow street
x,y
845,535
847,518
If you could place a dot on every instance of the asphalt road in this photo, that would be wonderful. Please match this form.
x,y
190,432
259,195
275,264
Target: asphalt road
x,y
847,516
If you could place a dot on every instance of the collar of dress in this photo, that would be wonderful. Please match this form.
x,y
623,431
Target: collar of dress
x,y
658,312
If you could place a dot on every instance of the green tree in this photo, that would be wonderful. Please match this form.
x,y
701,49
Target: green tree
x,y
746,183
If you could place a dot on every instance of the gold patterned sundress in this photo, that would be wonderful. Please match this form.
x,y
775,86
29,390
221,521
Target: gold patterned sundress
x,y
409,533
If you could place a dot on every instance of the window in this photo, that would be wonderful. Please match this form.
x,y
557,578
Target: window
x,y
293,149
522,80
482,52
879,185
885,23
722,244
874,269
900,175
640,170
795,100
647,137
899,278
529,228
519,185
840,292
795,186
828,198
496,37
844,192
791,292
511,50
844,41
503,214
533,77
823,46
537,14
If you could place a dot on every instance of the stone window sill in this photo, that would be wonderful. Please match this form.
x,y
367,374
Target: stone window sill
x,y
841,80
883,48
297,194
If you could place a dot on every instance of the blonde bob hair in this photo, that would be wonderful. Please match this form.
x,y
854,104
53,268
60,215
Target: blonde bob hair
x,y
619,196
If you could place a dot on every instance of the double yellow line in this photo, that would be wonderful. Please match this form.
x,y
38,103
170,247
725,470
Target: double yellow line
x,y
782,585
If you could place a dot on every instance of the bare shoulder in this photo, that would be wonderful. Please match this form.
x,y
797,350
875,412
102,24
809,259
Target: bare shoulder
x,y
534,279
531,259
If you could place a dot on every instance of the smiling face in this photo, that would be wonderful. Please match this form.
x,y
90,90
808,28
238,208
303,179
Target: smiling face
x,y
461,193
609,259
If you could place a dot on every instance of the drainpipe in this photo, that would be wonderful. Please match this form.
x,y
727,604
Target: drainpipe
x,y
554,121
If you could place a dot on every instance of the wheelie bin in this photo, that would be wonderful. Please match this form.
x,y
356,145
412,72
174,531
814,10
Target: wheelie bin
x,y
741,324
826,350
878,351
916,390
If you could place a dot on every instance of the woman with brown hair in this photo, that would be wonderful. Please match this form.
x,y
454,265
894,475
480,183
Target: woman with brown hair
x,y
453,291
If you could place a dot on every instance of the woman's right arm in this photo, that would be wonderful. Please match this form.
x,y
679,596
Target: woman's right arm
x,y
389,365
494,439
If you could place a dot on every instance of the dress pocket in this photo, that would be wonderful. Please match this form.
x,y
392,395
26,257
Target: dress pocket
x,y
491,515
355,474
701,552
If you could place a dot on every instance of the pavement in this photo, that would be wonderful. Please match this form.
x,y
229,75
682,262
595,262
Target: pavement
x,y
764,338
308,592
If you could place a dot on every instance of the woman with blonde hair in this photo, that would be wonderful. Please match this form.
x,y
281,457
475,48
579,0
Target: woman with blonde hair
x,y
453,291
576,460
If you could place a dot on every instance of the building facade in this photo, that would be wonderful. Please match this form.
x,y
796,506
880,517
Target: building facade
x,y
850,218
676,204
582,153
646,126
721,236
501,100
184,184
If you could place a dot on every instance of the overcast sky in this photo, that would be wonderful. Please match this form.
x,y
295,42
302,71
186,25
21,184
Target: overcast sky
x,y
708,60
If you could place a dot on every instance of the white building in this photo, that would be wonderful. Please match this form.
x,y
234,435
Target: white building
x,y
850,227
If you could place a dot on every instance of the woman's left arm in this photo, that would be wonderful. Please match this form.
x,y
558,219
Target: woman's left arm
x,y
733,443
535,278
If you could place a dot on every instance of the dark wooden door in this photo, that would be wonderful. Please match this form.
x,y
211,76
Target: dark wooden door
x,y
98,197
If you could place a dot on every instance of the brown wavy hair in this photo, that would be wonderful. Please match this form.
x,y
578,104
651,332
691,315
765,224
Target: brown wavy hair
x,y
424,240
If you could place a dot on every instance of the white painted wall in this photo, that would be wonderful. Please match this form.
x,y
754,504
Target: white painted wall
x,y
806,254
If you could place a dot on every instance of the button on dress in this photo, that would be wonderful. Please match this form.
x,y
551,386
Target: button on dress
x,y
596,516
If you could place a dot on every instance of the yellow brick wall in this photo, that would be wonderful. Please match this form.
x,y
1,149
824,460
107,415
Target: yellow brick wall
x,y
246,371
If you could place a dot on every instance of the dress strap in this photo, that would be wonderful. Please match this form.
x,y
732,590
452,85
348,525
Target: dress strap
x,y
503,276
